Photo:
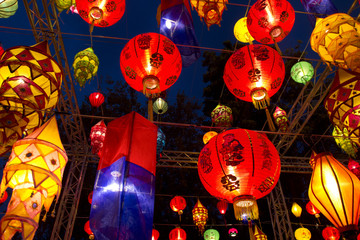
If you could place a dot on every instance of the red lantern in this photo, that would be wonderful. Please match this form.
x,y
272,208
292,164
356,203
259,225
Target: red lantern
x,y
97,136
222,206
155,234
88,230
1,50
177,234
96,99
354,167
101,13
331,233
90,196
311,209
178,204
150,63
254,73
270,21
4,197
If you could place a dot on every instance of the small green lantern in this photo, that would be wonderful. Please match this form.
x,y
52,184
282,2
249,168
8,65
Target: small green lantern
x,y
85,65
8,8
211,234
160,106
64,4
344,142
302,72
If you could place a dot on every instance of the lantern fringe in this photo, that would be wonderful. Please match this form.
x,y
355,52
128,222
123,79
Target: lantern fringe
x,y
270,122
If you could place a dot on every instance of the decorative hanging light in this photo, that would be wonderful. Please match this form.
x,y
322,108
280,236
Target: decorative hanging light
x,y
336,39
155,234
178,204
302,72
318,8
96,99
302,234
209,135
88,230
239,166
270,21
85,65
211,234
241,31
354,167
258,234
233,232
222,206
177,234
8,8
160,106
160,141
281,119
4,197
90,196
64,4
200,216
330,233
296,209
97,136
344,142
209,10
150,63
311,209
222,116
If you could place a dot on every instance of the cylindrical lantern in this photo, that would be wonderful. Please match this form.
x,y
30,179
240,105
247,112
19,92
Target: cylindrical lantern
x,y
101,13
211,234
222,206
150,63
270,21
281,119
302,234
354,167
210,10
155,234
241,31
97,136
85,65
296,209
200,216
233,232
178,204
88,230
222,116
302,72
96,99
177,234
318,8
311,209
254,73
330,233
332,190
344,142
8,8
258,234
209,135
160,106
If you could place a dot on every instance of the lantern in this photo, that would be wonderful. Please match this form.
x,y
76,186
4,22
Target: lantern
x,y
1,49
241,31
178,204
354,167
88,230
222,206
233,232
296,209
8,8
96,99
330,233
254,73
97,136
302,72
318,8
258,234
64,4
160,141
344,142
4,197
336,39
302,234
160,106
270,21
311,209
209,10
239,166
155,234
209,135
101,13
177,234
90,196
150,63
281,119
332,190
200,216
85,65
211,234
222,116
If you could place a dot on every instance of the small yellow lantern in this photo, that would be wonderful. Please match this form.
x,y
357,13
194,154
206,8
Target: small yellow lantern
x,y
302,234
241,31
85,65
209,135
296,209
8,8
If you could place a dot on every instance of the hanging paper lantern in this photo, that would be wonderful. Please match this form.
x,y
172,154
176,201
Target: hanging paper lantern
x,y
64,4
96,99
354,167
211,234
344,142
85,65
311,209
150,63
332,190
88,230
178,204
330,233
302,234
336,39
270,21
155,234
302,72
281,119
209,10
296,209
209,135
222,206
200,216
4,197
239,166
318,8
97,136
241,31
258,234
222,116
177,234
8,8
160,106
101,13
161,138
233,232
254,73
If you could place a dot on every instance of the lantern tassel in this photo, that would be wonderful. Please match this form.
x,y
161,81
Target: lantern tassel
x,y
269,119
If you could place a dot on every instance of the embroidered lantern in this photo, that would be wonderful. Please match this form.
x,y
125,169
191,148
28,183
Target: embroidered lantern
x,y
160,106
354,167
200,216
302,72
222,116
241,31
88,230
239,166
64,4
336,39
209,135
211,234
155,234
209,10
85,65
344,142
97,136
296,209
281,119
330,233
101,13
4,197
270,21
222,206
150,63
318,8
8,8
302,234
258,234
178,204
177,234
332,190
311,209
233,232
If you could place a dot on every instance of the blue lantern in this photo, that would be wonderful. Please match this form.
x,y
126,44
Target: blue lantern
x,y
319,9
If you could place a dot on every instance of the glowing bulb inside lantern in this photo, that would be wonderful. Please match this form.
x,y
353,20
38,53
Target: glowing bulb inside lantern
x,y
114,187
96,13
168,24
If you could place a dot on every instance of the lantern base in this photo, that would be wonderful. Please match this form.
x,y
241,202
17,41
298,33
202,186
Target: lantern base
x,y
151,85
246,208
260,98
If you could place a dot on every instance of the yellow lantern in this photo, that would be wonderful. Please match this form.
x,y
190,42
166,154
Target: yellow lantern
x,y
302,234
241,31
344,142
64,4
85,65
200,216
258,234
296,209
210,10
8,8
209,135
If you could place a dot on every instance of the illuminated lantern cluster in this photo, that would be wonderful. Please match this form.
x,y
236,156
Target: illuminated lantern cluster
x,y
302,72
254,73
209,135
85,65
177,234
239,166
270,21
178,204
302,234
211,234
200,216
222,116
87,229
160,106
97,136
8,8
318,8
150,63
311,209
210,10
330,233
64,4
241,31
344,142
336,39
258,234
222,206
281,119
354,167
233,232
155,234
96,99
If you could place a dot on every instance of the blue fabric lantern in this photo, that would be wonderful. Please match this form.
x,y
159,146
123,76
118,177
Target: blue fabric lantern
x,y
160,141
319,9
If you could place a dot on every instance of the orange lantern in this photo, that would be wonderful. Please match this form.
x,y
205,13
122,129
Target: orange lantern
x,y
177,234
150,63
200,216
222,206
88,230
222,116
281,119
210,10
96,99
330,233
97,136
155,234
209,135
311,209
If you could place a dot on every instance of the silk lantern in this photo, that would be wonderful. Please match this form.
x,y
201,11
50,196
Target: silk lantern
x,y
318,9
97,136
258,234
155,234
302,234
233,232
222,116
330,233
241,31
150,63
296,209
209,10
332,190
239,166
281,119
209,135
354,167
311,209
88,230
177,234
222,206
200,216
85,65
160,106
344,142
302,72
270,21
8,8
211,234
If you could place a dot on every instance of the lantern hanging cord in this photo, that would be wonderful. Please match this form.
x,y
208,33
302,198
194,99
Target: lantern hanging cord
x,y
247,8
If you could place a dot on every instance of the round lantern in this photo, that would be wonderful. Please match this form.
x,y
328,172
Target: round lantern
x,y
150,63
302,234
311,209
233,232
354,167
4,197
85,65
155,234
302,72
211,234
177,234
96,99
222,116
330,233
8,8
160,141
160,106
296,209
239,166
209,135
254,73
344,142
270,21
335,38
222,206
200,216
88,230
90,196
209,10
101,13
241,31
281,119
178,204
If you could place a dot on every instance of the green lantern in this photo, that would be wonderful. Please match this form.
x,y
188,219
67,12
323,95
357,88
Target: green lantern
x,y
85,65
344,142
8,8
211,234
64,4
160,106
302,72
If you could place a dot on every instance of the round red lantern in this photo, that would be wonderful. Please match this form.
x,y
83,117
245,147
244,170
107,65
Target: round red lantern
x,y
222,206
150,63
4,197
96,99
177,234
311,209
101,13
239,166
254,73
354,167
155,234
331,233
88,230
270,21
178,204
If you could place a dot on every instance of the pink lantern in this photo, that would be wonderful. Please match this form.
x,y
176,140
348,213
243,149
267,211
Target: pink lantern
x,y
354,167
97,136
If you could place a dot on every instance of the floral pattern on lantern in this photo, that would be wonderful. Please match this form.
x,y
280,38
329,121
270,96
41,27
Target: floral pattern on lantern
x,y
302,72
200,216
222,116
302,234
209,135
344,142
209,10
177,234
87,229
311,209
211,234
8,8
241,31
85,65
96,99
281,119
330,233
222,206
97,136
160,106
